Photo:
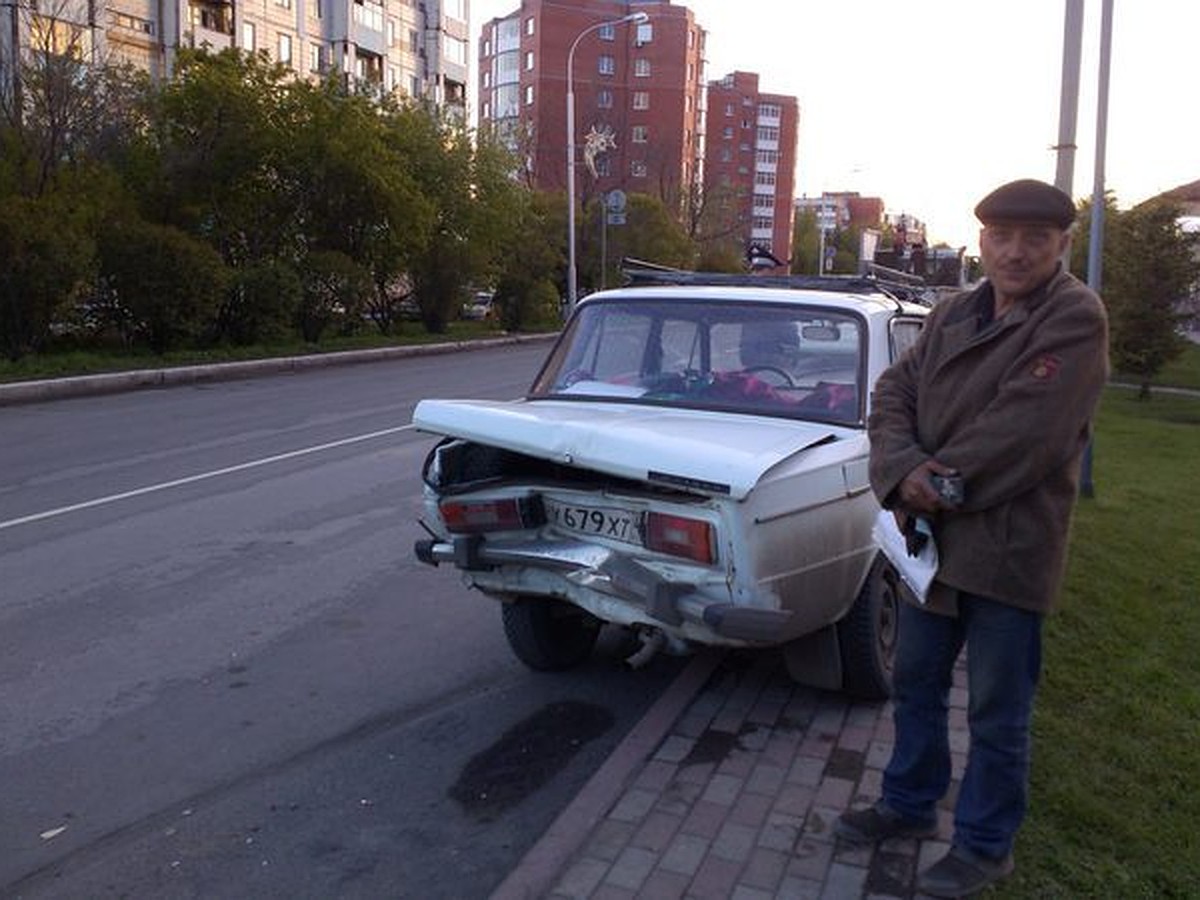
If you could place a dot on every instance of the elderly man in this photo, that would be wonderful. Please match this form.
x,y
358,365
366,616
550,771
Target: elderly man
x,y
999,391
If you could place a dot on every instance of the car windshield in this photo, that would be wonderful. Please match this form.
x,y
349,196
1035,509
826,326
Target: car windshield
x,y
788,360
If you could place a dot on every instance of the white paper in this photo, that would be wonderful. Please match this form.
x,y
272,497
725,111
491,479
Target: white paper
x,y
916,572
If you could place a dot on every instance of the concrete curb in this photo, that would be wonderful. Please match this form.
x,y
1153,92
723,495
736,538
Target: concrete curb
x,y
535,874
115,382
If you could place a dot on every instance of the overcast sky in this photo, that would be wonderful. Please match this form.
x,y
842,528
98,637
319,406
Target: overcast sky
x,y
931,103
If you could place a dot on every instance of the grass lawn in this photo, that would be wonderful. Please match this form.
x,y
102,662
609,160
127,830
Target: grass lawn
x,y
64,362
1115,809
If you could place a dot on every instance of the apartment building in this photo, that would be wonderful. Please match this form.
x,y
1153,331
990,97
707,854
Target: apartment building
x,y
638,92
417,48
750,160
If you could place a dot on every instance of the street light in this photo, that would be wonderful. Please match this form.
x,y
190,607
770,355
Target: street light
x,y
572,285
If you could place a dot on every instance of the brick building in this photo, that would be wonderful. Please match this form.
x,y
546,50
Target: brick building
x,y
750,160
642,84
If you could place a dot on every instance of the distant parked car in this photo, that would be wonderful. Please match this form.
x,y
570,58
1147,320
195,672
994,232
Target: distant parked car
x,y
480,306
690,464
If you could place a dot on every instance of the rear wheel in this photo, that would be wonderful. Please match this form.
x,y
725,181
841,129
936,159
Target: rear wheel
x,y
549,635
867,634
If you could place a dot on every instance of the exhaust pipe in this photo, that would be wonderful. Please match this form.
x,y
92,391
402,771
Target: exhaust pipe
x,y
652,642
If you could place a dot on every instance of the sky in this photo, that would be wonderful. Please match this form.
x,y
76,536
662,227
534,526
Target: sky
x,y
929,104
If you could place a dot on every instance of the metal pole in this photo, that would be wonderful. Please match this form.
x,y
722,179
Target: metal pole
x,y
1096,232
1068,104
603,237
572,273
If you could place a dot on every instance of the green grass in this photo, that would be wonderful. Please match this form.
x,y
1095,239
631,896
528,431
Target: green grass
x,y
64,361
1115,809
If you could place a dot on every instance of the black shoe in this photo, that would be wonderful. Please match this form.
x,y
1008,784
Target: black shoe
x,y
962,872
878,823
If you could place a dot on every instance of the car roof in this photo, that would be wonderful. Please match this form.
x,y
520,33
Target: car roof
x,y
863,303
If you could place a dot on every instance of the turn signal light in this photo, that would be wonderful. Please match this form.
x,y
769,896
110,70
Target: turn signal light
x,y
479,516
679,536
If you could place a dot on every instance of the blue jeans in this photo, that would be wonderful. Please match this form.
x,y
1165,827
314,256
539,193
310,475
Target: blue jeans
x,y
1004,654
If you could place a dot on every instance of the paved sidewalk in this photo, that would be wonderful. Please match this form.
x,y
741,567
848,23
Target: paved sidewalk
x,y
738,800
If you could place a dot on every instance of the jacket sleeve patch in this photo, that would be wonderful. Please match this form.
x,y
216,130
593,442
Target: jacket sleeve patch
x,y
1046,367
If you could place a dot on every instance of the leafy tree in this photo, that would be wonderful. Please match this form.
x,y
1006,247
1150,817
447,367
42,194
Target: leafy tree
x,y
1149,266
473,197
806,243
335,288
45,259
175,299
533,253
650,233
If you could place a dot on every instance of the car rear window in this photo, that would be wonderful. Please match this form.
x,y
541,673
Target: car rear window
x,y
755,358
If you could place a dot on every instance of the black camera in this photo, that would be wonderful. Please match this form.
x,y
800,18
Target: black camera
x,y
949,488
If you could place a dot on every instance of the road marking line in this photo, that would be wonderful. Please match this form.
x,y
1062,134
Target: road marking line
x,y
203,476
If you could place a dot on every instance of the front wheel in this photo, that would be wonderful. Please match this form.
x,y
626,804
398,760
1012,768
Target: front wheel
x,y
549,635
867,634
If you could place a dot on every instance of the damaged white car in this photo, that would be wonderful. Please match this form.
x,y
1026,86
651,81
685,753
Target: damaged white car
x,y
690,463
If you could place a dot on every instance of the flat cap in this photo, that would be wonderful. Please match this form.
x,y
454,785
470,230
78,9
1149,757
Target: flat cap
x,y
1027,201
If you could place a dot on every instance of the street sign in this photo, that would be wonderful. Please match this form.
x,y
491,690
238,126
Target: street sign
x,y
615,201
616,218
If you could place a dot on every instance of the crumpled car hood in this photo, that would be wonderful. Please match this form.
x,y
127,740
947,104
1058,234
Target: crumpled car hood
x,y
697,450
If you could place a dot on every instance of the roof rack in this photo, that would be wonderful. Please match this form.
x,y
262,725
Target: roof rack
x,y
877,279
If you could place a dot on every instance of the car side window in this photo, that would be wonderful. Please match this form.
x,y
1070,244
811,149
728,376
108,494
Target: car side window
x,y
904,335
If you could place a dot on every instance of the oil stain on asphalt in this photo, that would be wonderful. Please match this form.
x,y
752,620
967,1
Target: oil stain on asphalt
x,y
527,756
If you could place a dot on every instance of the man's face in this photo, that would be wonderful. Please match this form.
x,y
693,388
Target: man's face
x,y
1019,258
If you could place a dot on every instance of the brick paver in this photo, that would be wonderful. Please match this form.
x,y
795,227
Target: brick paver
x,y
739,800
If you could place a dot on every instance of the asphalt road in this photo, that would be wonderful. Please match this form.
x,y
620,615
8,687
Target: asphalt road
x,y
223,674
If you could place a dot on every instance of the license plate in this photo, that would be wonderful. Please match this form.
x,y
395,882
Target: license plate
x,y
597,521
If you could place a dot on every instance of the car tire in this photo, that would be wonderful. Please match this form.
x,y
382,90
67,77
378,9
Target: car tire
x,y
549,635
867,634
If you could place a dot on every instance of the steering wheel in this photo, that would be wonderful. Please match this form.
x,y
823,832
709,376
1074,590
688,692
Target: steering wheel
x,y
774,370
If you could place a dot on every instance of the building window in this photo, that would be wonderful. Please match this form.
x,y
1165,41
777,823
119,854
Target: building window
x,y
608,32
604,99
368,15
768,157
414,86
606,65
641,99
393,78
529,26
763,223
645,33
487,110
285,48
529,61
638,169
456,50
284,4
766,133
603,166
455,9
728,110
726,155
314,9
248,36
487,48
529,95
769,111
727,133
765,178
391,32
641,67
414,40
314,58
641,134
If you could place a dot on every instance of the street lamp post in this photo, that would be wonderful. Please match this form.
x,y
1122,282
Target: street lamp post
x,y
572,282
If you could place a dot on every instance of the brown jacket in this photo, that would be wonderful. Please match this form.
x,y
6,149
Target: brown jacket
x,y
1008,405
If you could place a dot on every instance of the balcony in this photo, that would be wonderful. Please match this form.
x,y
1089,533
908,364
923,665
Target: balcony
x,y
210,25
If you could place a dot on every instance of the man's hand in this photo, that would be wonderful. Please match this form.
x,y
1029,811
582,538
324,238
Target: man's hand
x,y
917,493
